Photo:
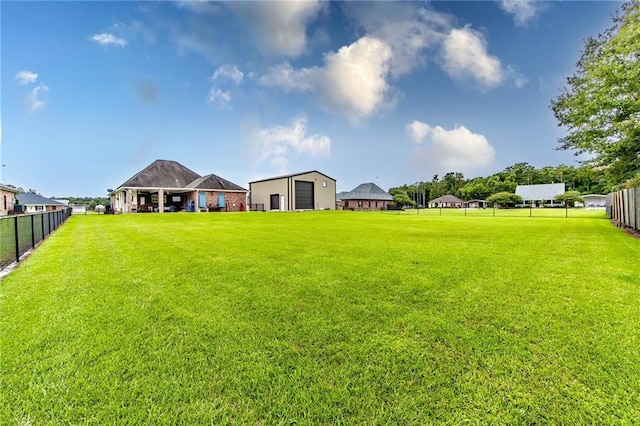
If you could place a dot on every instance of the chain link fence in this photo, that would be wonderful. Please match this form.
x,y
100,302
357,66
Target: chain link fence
x,y
21,233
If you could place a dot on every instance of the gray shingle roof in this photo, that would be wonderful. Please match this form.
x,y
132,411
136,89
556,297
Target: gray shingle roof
x,y
547,191
162,174
367,191
34,199
214,182
447,199
339,195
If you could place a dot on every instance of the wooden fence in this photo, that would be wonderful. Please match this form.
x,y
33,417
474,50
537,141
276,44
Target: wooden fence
x,y
623,207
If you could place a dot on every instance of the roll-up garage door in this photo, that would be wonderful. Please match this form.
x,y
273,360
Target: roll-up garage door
x,y
304,195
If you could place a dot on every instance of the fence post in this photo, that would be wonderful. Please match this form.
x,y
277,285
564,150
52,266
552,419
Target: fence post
x,y
42,225
15,225
33,233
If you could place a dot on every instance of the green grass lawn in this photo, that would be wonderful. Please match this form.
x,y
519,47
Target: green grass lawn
x,y
323,317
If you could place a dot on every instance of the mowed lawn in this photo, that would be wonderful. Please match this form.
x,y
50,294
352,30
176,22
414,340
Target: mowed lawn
x,y
323,317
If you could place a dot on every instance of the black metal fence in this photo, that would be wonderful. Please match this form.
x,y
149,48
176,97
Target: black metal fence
x,y
20,233
256,207
623,207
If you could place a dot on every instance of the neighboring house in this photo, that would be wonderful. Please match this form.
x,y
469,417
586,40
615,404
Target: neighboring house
x,y
477,204
540,195
594,200
168,186
7,199
299,191
34,203
447,201
367,196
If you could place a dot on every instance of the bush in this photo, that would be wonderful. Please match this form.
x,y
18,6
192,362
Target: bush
x,y
504,199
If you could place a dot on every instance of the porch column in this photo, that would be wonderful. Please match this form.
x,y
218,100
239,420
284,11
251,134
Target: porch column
x,y
127,201
161,200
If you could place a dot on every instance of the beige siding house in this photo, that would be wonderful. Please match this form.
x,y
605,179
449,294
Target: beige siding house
x,y
7,199
299,191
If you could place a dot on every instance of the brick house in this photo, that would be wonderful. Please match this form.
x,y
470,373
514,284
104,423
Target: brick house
x,y
168,186
7,199
367,196
447,201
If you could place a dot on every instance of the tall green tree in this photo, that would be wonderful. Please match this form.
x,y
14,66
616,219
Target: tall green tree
x,y
601,106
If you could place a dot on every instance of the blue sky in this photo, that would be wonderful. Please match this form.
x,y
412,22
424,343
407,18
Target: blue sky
x,y
385,92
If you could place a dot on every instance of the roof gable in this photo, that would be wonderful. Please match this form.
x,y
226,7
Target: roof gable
x,y
292,175
447,199
214,182
367,191
162,174
8,189
547,191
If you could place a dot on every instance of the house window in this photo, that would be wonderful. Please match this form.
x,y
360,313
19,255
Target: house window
x,y
324,183
154,198
359,203
5,201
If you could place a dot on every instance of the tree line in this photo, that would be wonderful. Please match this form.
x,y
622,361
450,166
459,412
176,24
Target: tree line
x,y
584,179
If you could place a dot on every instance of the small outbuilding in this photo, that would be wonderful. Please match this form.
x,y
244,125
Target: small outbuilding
x,y
447,201
594,200
477,204
540,195
298,191
366,196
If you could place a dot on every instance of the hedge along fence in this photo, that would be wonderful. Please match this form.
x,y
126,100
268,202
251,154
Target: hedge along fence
x,y
623,207
21,233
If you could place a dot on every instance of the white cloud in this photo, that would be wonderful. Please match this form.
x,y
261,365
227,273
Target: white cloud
x,y
276,143
355,77
353,80
26,77
417,130
219,97
523,11
465,58
105,39
33,100
280,26
458,149
228,72
286,77
408,29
